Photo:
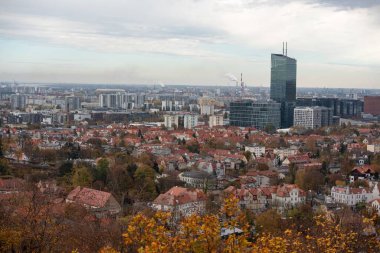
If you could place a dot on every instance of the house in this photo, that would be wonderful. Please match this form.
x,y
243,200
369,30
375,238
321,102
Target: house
x,y
363,172
287,196
253,199
181,202
375,204
11,185
100,203
352,196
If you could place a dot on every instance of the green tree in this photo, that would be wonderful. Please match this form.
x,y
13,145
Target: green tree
x,y
82,176
101,170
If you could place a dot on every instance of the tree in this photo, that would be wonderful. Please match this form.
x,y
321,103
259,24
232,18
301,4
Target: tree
x,y
144,183
82,176
270,128
262,166
101,170
309,179
4,166
268,221
65,168
248,155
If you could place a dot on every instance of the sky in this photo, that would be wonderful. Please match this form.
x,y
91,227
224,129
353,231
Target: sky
x,y
198,42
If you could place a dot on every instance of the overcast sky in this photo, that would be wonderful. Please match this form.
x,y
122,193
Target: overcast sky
x,y
336,42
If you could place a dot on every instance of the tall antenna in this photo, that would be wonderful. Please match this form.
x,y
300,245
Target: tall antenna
x,y
282,48
286,49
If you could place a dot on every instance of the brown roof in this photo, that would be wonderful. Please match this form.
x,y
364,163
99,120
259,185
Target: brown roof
x,y
179,195
11,184
90,197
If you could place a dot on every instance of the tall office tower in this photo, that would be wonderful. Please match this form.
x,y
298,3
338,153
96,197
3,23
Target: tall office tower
x,y
283,85
258,114
72,103
18,101
312,117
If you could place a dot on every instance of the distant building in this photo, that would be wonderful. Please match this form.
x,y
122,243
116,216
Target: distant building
x,y
198,179
216,120
207,109
283,85
18,101
345,108
258,114
181,202
170,120
374,148
190,121
372,105
101,203
113,100
312,117
72,103
257,150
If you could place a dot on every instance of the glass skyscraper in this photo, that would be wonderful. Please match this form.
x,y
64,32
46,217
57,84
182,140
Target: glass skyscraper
x,y
283,86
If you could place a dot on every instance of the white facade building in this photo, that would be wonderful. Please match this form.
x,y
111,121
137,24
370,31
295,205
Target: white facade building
x,y
207,109
374,148
216,120
190,121
352,196
171,121
312,117
257,150
181,202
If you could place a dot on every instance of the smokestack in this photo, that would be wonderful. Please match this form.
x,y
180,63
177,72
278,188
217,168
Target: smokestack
x,y
283,48
286,49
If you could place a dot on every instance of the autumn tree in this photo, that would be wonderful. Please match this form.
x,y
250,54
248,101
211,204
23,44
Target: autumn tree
x,y
309,179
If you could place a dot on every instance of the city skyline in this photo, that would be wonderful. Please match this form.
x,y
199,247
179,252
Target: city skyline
x,y
189,42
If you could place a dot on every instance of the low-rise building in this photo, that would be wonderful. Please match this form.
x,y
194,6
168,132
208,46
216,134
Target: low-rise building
x,y
352,196
100,203
181,202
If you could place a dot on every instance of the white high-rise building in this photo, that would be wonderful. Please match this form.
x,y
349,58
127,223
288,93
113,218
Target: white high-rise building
x,y
171,121
190,121
113,100
312,117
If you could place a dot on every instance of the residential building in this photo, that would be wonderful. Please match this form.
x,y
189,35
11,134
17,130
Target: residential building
x,y
256,150
18,101
216,120
101,203
190,121
374,148
288,196
181,202
352,196
171,121
72,103
258,114
312,117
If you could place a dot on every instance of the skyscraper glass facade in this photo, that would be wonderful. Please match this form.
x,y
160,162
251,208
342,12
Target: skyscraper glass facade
x,y
283,86
258,114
